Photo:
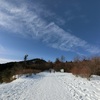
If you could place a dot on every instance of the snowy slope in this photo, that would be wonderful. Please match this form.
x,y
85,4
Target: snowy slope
x,y
51,86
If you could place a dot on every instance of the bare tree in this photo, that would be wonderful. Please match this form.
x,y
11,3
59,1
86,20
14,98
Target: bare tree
x,y
25,57
62,59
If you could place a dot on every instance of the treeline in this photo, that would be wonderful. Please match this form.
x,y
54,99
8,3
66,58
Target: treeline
x,y
78,67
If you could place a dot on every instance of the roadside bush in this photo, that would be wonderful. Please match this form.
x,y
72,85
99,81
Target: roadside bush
x,y
85,72
68,67
75,71
6,76
35,71
0,78
95,65
17,69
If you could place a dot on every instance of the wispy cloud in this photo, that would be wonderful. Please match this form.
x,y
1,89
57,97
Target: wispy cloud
x,y
28,21
3,60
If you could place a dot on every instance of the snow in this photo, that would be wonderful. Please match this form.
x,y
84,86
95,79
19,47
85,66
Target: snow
x,y
51,86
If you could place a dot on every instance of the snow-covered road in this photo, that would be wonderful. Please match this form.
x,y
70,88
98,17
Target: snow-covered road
x,y
51,86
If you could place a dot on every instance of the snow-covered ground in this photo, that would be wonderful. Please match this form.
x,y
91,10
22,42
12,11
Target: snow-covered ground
x,y
51,86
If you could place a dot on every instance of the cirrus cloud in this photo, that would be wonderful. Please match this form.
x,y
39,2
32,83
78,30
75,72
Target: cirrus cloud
x,y
29,21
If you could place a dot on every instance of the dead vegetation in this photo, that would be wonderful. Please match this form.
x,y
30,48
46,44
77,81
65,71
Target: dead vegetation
x,y
79,67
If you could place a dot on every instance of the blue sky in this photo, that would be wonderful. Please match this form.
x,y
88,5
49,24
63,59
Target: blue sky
x,y
49,29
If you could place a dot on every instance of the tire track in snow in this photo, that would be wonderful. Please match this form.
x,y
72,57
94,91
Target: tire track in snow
x,y
46,89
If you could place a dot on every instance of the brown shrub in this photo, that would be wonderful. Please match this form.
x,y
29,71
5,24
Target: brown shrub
x,y
28,71
85,72
35,71
95,65
75,71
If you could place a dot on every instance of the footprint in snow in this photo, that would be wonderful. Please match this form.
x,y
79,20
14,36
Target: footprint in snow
x,y
84,90
81,97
